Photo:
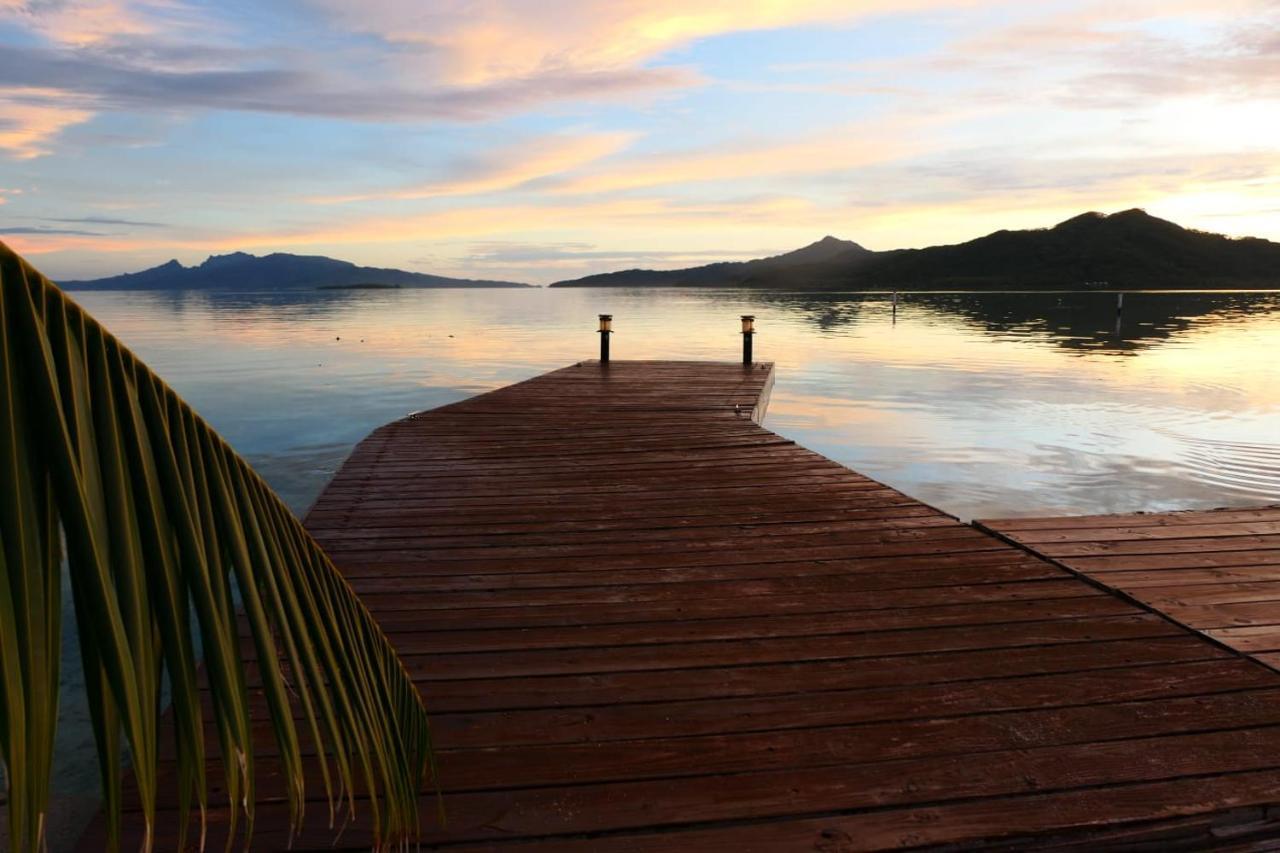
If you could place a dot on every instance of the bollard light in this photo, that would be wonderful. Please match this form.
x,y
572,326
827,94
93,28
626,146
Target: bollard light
x,y
748,331
606,329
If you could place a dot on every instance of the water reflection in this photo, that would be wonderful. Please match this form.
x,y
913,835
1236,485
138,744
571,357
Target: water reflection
x,y
982,403
1086,322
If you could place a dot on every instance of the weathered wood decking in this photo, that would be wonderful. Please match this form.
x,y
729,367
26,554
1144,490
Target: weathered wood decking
x,y
1216,571
644,622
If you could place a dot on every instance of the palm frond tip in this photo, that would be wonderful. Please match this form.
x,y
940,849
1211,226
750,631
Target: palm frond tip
x,y
166,531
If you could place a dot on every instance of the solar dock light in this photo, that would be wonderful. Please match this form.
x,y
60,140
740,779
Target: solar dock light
x,y
748,331
606,329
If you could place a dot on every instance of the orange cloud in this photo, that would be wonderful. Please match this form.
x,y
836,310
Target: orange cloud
x,y
33,117
509,168
507,219
85,22
829,151
478,44
470,222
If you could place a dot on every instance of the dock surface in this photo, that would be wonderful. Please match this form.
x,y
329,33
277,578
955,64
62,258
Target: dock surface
x,y
643,622
1215,571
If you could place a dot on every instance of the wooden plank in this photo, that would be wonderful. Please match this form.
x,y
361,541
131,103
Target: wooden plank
x,y
660,756
1177,518
1216,571
671,804
1137,533
1077,820
644,622
813,678
1250,638
1140,547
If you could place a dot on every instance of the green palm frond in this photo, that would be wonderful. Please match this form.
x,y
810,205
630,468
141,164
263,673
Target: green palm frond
x,y
167,531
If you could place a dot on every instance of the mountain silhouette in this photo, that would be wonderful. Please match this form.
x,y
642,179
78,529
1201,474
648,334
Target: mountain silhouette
x,y
279,271
1130,249
724,273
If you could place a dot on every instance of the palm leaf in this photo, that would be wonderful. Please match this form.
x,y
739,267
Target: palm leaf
x,y
165,530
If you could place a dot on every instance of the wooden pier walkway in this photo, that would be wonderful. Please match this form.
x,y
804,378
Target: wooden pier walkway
x,y
643,622
1215,571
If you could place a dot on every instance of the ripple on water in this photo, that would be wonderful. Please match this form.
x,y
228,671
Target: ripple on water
x,y
1246,467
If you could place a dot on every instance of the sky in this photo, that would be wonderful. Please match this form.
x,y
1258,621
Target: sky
x,y
538,140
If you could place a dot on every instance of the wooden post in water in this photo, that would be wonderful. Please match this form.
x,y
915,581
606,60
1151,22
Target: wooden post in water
x,y
748,332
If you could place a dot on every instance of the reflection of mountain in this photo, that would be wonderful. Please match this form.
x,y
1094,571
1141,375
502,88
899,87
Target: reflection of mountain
x,y
291,304
1125,250
1085,322
1090,322
827,311
279,271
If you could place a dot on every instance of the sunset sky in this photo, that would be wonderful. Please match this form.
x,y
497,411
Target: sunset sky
x,y
546,140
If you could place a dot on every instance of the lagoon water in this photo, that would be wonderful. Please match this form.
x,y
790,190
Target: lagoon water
x,y
984,405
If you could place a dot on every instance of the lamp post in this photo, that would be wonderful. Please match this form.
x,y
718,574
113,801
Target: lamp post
x,y
748,331
606,329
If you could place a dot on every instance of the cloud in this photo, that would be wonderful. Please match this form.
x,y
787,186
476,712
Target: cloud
x,y
509,167
468,222
1131,55
503,253
446,60
483,220
103,220
30,119
1245,64
40,229
78,23
826,151
476,44
529,261
166,57
585,164
106,81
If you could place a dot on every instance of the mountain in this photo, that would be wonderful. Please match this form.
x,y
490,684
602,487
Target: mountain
x,y
1130,249
725,273
242,271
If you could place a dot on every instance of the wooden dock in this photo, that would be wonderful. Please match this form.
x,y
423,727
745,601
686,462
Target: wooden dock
x,y
1215,571
643,622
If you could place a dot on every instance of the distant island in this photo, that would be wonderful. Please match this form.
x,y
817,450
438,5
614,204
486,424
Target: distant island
x,y
1131,249
1093,251
279,271
727,273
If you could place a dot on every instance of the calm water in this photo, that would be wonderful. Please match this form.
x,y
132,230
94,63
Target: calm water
x,y
982,404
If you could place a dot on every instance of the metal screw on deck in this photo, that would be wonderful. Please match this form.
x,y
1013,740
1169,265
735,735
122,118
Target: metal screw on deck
x,y
748,332
606,329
